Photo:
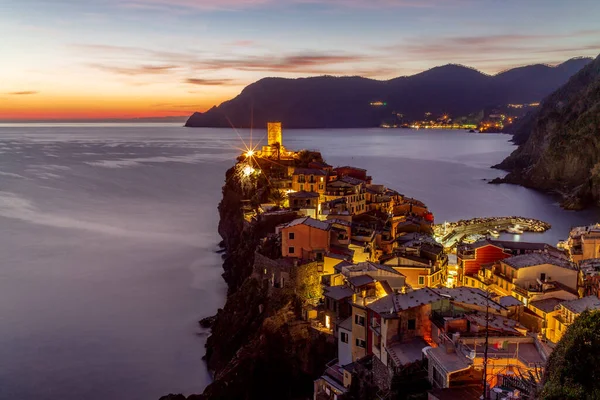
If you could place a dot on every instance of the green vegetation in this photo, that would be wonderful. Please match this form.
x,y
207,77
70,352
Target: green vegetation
x,y
573,370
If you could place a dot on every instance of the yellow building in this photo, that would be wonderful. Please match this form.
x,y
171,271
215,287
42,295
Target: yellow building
x,y
584,242
565,313
309,180
529,277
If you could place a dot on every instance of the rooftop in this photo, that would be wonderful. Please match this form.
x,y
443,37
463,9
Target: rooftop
x,y
580,305
338,292
471,296
308,221
509,301
309,171
533,259
450,362
388,306
407,352
546,305
346,324
303,194
360,280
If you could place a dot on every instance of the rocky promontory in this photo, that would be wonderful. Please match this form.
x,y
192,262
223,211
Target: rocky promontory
x,y
260,347
560,150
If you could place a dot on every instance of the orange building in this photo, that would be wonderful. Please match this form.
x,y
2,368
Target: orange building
x,y
306,238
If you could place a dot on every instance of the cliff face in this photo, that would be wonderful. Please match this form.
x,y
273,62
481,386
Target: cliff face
x,y
344,102
560,150
259,347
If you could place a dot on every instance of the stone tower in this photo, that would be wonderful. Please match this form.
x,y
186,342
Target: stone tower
x,y
274,133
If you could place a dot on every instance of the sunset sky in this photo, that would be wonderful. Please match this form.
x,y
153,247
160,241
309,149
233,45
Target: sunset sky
x,y
65,59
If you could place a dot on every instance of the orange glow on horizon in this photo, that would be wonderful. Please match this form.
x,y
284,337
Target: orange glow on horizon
x,y
48,107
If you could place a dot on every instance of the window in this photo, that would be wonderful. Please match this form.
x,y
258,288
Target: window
x,y
359,320
421,280
412,324
543,277
344,337
312,188
291,250
361,343
291,235
301,187
321,186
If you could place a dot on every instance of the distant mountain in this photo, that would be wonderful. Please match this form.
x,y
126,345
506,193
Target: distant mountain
x,y
344,102
560,148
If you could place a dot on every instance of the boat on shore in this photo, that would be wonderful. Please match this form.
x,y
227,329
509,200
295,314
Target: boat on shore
x,y
494,233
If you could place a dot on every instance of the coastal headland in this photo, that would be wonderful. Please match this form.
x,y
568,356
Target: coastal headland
x,y
339,287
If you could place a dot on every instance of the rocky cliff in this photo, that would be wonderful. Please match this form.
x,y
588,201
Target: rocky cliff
x,y
560,150
259,347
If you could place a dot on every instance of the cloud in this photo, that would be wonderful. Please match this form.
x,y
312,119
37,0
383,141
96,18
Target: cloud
x,y
483,50
23,93
137,70
208,82
300,62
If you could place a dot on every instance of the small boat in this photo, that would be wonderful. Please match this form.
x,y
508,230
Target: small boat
x,y
471,130
514,230
494,233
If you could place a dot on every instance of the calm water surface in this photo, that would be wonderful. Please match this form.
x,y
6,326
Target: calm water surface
x,y
108,233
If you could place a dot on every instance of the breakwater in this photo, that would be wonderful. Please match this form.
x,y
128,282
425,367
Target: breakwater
x,y
451,233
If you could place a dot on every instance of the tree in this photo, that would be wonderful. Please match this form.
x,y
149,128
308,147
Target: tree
x,y
277,197
276,147
573,369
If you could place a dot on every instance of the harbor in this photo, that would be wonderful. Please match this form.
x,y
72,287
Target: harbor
x,y
449,234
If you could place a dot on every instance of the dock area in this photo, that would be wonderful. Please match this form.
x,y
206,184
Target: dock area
x,y
451,233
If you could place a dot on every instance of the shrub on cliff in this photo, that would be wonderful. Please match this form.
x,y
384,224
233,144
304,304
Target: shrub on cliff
x,y
573,370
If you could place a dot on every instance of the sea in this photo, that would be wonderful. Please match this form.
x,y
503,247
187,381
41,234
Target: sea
x,y
108,240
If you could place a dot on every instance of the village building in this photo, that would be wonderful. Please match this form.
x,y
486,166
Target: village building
x,y
584,242
309,180
589,277
565,313
472,257
424,265
346,194
528,277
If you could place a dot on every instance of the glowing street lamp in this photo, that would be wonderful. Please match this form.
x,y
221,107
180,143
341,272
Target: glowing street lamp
x,y
250,153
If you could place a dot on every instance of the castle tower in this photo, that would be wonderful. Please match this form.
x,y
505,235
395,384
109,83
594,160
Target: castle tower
x,y
274,133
